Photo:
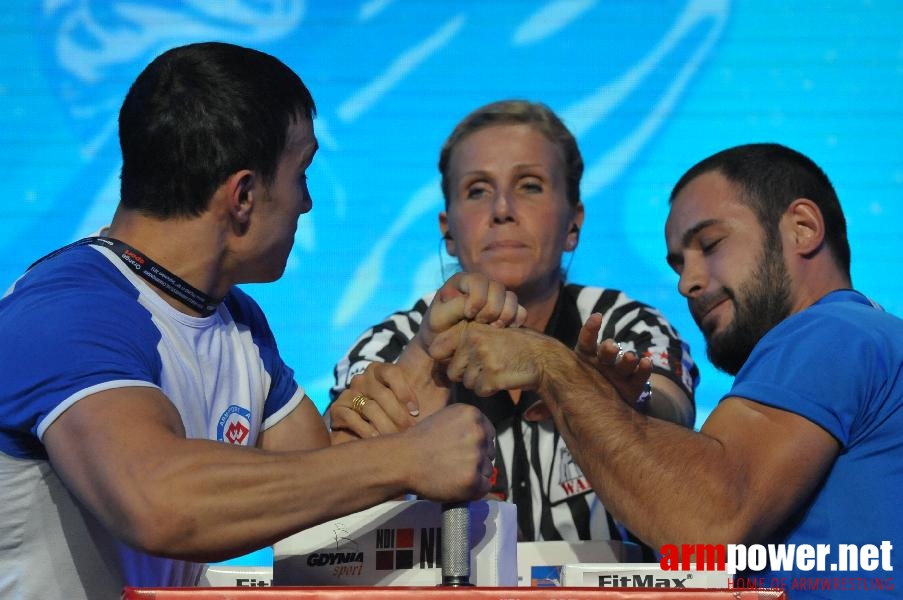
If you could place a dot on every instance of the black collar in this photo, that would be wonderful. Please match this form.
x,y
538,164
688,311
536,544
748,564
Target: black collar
x,y
153,273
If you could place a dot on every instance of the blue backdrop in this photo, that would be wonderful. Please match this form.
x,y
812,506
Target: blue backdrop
x,y
649,87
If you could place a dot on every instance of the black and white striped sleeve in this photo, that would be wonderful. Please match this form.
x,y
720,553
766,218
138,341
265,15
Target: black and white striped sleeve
x,y
380,343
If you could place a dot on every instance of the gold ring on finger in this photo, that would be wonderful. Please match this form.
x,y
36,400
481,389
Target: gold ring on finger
x,y
358,402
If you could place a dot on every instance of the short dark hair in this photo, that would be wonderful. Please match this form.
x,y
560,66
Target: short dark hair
x,y
517,112
196,115
772,176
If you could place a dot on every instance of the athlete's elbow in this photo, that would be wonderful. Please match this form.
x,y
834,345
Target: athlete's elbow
x,y
164,531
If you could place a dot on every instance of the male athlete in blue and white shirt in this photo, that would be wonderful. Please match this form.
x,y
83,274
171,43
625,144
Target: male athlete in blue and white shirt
x,y
147,422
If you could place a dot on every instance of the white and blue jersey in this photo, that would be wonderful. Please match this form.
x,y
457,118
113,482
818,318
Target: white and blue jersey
x,y
83,322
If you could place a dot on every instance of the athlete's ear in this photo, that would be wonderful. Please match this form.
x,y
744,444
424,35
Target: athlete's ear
x,y
444,229
803,227
237,195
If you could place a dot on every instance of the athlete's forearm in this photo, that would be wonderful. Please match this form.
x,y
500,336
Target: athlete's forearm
x,y
663,481
208,501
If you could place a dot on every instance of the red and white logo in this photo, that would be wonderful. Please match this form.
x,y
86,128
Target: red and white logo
x,y
234,426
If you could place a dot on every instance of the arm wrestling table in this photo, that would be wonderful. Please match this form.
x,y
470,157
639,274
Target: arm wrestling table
x,y
446,593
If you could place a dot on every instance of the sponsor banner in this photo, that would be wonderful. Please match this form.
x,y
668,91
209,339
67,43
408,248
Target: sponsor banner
x,y
237,576
640,575
398,543
540,564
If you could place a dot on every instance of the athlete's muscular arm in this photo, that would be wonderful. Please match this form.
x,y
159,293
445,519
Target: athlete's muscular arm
x,y
744,473
301,429
124,455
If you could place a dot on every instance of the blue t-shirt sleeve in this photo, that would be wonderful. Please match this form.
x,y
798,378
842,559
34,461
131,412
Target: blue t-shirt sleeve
x,y
814,365
65,340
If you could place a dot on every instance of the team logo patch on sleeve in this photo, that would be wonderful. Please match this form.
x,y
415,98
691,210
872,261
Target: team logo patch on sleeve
x,y
234,426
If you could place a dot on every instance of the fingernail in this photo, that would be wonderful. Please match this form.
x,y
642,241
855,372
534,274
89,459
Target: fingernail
x,y
412,409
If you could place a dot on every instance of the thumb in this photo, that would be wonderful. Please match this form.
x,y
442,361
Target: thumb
x,y
455,286
588,336
445,344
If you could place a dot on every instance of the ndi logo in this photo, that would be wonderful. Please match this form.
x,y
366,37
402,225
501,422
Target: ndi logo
x,y
395,548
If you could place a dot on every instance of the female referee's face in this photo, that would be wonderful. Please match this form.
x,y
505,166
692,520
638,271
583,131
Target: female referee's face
x,y
508,216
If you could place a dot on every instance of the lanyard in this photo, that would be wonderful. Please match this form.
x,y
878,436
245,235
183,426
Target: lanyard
x,y
153,273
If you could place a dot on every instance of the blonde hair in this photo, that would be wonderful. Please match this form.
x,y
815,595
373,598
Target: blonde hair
x,y
517,112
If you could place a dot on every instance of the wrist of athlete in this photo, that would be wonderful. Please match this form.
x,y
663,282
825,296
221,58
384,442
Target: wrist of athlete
x,y
426,376
570,383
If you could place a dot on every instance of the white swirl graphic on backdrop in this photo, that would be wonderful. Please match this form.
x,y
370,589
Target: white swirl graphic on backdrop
x,y
582,116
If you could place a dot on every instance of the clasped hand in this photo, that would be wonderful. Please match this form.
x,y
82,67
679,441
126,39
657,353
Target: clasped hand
x,y
390,401
487,360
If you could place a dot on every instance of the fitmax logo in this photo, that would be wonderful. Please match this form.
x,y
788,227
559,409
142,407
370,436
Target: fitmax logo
x,y
647,581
